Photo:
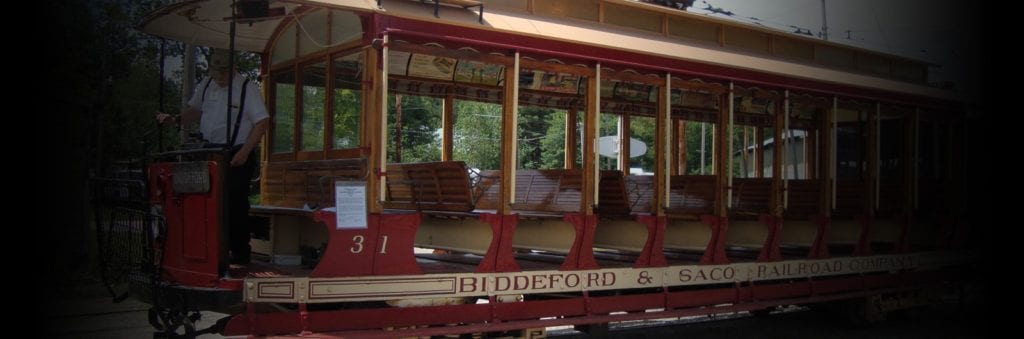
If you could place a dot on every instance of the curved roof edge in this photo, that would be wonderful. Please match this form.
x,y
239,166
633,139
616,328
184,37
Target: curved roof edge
x,y
203,22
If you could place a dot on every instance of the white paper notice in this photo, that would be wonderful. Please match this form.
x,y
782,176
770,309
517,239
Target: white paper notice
x,y
398,62
350,204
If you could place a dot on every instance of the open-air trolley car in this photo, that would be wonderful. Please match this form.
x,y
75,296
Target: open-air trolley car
x,y
457,166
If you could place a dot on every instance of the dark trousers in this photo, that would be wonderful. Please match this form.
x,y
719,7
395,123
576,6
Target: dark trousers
x,y
238,179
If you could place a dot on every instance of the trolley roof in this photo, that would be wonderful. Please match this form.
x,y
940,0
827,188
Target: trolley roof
x,y
204,22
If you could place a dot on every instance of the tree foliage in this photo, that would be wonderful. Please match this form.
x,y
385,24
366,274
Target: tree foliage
x,y
101,87
694,151
477,134
418,134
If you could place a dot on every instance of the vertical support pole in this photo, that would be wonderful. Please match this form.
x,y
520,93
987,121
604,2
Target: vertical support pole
x,y
370,124
777,160
509,137
744,157
758,143
788,138
593,119
907,162
398,128
188,80
448,124
728,135
679,126
703,146
916,158
818,157
382,153
715,160
570,138
328,139
867,162
624,142
662,155
877,168
832,149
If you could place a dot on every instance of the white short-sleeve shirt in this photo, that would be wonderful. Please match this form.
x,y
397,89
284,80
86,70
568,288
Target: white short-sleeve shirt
x,y
211,100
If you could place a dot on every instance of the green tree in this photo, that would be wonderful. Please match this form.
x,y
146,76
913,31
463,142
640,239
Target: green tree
x,y
553,142
694,152
101,84
420,130
477,134
642,128
534,124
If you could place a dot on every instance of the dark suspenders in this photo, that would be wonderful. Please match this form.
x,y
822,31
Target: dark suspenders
x,y
241,108
238,119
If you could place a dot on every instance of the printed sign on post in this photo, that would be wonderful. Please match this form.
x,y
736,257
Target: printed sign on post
x,y
350,204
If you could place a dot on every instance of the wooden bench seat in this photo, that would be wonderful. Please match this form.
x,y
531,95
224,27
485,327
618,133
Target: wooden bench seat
x,y
804,199
890,198
487,190
850,199
691,196
640,190
548,191
751,197
429,186
614,196
539,193
295,184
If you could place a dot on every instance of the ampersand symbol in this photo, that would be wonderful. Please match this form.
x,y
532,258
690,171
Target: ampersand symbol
x,y
644,279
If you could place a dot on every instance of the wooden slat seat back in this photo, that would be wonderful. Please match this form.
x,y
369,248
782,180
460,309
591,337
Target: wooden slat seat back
x,y
751,197
548,190
850,199
890,199
614,198
804,199
640,192
295,184
931,198
430,186
487,190
691,196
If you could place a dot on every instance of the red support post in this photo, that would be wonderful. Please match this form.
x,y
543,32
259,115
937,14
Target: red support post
x,y
653,254
581,256
770,249
819,249
864,241
714,253
500,256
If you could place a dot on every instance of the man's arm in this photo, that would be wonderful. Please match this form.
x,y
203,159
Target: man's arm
x,y
254,138
187,116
